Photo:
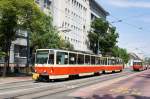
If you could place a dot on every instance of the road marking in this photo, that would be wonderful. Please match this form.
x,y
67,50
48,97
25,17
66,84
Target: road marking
x,y
125,90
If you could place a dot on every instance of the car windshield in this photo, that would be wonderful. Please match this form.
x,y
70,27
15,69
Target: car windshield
x,y
42,57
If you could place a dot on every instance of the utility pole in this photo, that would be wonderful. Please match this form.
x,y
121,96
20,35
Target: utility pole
x,y
28,53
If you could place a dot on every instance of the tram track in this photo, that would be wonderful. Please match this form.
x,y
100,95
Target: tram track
x,y
72,87
13,84
64,86
31,83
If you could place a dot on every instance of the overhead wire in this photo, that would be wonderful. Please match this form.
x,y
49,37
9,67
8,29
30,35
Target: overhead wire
x,y
133,25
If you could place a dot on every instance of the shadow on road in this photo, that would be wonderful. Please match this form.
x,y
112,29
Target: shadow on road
x,y
108,96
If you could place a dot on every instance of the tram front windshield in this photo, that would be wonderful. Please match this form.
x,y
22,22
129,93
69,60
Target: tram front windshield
x,y
42,57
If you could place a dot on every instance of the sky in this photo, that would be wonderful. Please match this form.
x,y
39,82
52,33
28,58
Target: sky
x,y
134,27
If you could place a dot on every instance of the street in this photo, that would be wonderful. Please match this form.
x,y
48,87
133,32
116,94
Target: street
x,y
81,88
136,87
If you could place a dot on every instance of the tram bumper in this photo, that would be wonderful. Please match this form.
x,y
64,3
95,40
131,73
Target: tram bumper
x,y
35,76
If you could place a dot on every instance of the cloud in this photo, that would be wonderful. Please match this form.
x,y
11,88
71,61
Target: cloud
x,y
130,4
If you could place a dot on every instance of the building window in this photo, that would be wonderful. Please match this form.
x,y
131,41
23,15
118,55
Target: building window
x,y
37,1
20,51
47,4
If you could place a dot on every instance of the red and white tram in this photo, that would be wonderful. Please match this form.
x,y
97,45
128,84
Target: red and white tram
x,y
55,64
138,65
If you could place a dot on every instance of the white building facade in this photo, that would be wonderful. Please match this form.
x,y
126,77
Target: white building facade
x,y
73,18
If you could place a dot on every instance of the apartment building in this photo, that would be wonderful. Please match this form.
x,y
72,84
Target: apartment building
x,y
97,11
73,18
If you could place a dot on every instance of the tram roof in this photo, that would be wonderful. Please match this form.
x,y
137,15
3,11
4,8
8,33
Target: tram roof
x,y
74,51
79,52
137,61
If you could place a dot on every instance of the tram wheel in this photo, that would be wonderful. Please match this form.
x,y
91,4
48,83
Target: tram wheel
x,y
103,72
43,78
96,74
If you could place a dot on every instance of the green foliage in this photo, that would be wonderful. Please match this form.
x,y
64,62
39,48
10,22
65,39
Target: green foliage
x,y
120,52
102,35
27,16
66,45
2,54
109,41
44,35
8,23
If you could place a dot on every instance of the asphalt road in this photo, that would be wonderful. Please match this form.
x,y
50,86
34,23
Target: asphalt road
x,y
135,87
53,90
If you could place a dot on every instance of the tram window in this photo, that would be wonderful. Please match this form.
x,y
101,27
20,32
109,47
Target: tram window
x,y
80,59
117,61
121,62
51,57
72,58
105,61
93,60
112,62
87,59
134,63
101,61
42,57
62,58
109,61
97,60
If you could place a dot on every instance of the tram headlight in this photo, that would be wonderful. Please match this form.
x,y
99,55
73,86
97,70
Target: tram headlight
x,y
45,71
35,71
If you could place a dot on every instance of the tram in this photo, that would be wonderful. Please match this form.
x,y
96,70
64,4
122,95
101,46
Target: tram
x,y
56,64
138,65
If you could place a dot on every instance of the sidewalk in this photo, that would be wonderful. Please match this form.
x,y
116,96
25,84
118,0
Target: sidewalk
x,y
14,79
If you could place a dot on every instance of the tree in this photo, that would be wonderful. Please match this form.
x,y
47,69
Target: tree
x,y
108,43
8,27
98,31
121,53
66,45
102,37
47,36
25,15
15,15
2,54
